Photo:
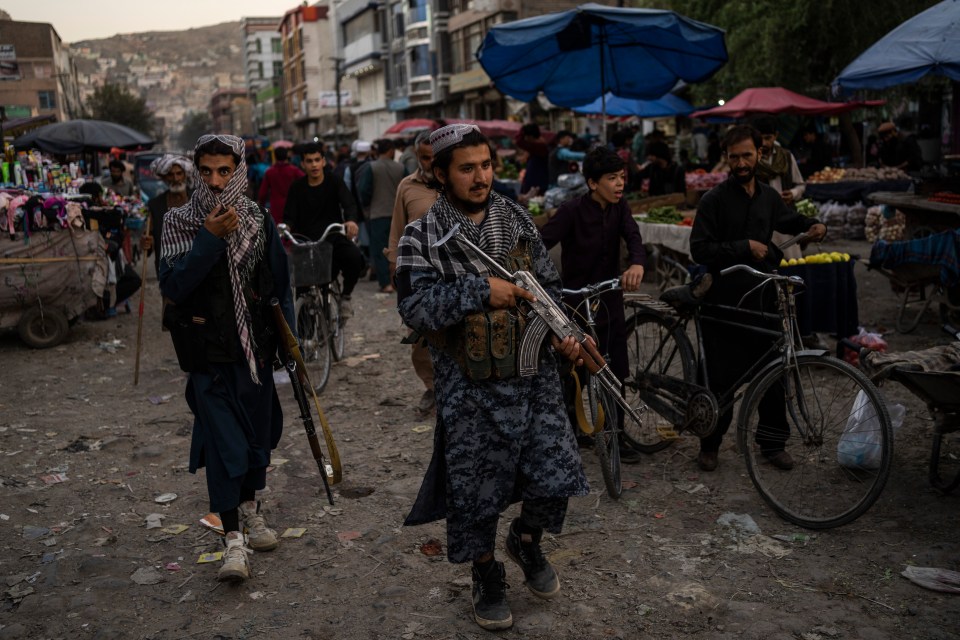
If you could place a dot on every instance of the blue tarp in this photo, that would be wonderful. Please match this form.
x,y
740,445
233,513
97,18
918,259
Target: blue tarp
x,y
928,43
668,105
643,52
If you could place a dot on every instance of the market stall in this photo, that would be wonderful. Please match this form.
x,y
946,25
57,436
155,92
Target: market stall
x,y
923,214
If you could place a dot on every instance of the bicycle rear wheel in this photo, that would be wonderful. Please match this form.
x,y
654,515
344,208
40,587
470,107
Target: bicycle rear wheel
x,y
838,472
653,346
335,322
606,444
311,329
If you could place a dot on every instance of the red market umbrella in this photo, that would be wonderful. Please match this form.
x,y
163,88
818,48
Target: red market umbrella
x,y
779,100
414,125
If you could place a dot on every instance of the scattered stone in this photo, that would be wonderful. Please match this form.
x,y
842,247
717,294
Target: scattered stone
x,y
147,575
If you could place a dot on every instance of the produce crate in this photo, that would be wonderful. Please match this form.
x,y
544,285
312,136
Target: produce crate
x,y
311,263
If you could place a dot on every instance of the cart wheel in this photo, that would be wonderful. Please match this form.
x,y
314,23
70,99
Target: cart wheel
x,y
43,327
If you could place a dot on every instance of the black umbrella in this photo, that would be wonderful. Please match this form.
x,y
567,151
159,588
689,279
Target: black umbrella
x,y
78,136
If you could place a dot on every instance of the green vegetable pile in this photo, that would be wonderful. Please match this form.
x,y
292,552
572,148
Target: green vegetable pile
x,y
807,208
664,215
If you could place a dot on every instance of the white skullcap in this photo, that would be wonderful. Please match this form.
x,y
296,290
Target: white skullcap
x,y
363,146
450,135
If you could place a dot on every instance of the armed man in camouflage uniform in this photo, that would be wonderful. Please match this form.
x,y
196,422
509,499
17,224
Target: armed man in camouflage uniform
x,y
500,438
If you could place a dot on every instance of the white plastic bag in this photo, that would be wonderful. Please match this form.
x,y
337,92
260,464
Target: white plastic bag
x,y
859,447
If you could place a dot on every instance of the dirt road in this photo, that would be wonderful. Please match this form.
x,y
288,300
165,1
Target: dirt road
x,y
85,455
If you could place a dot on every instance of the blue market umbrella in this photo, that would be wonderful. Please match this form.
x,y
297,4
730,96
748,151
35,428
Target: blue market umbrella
x,y
79,136
928,43
580,55
668,105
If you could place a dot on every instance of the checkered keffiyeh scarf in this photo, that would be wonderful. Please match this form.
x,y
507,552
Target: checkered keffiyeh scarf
x,y
506,222
245,246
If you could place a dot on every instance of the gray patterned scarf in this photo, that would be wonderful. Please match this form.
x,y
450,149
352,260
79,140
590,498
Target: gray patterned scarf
x,y
244,246
505,223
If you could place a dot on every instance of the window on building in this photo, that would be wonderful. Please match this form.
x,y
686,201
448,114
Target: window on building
x,y
472,37
48,99
397,10
363,25
260,70
418,10
456,52
276,45
419,61
277,68
259,46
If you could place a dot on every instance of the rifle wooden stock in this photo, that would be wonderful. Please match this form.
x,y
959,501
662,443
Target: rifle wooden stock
x,y
301,383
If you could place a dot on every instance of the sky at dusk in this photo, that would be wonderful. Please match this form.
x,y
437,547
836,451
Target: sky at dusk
x,y
77,20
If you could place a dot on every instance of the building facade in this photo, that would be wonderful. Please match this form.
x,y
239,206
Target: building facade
x,y
310,75
231,112
37,74
263,73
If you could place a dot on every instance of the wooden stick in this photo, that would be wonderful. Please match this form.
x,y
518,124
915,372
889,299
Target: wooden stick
x,y
143,289
48,260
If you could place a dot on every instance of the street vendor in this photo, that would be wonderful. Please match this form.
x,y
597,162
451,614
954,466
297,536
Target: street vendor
x,y
499,437
177,172
116,181
734,225
779,169
222,263
898,150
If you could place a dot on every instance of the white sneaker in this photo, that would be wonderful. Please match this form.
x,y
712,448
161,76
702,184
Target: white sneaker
x,y
259,536
236,564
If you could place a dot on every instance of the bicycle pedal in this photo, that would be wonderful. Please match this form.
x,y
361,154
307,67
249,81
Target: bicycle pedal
x,y
668,433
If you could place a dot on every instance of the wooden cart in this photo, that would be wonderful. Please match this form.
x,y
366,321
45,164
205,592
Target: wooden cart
x,y
48,280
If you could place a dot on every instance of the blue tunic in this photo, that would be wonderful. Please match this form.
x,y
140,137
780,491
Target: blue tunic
x,y
236,421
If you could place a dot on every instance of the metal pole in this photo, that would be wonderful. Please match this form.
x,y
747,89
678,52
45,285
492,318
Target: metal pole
x,y
339,126
603,93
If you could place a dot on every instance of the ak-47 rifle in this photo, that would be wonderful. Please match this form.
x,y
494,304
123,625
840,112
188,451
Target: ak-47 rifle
x,y
293,362
545,317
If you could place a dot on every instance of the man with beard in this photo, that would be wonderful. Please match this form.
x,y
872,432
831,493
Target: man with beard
x,y
734,225
317,201
175,171
499,437
414,198
116,181
222,263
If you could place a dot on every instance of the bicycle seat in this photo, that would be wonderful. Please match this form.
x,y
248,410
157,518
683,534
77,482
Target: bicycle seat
x,y
687,296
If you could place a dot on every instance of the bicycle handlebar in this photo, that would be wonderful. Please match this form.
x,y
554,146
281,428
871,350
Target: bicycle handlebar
x,y
336,227
760,274
593,289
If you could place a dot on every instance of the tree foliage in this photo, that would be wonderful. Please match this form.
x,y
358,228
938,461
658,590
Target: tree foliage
x,y
800,45
195,125
115,103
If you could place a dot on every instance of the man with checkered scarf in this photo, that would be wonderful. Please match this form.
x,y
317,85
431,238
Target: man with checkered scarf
x,y
221,264
500,438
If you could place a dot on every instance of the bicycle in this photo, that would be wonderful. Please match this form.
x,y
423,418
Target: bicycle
x,y
607,421
822,396
317,304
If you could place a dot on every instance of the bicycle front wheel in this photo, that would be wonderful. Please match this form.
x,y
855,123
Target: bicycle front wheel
x,y
335,322
833,423
313,345
654,345
606,444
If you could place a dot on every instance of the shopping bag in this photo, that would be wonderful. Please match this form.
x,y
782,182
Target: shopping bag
x,y
860,445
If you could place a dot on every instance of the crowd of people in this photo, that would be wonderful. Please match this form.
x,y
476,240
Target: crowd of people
x,y
500,437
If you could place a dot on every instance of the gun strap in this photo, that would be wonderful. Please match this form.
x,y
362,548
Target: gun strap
x,y
582,421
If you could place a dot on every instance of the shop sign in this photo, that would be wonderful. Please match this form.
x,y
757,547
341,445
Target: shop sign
x,y
9,68
329,99
399,104
17,111
473,79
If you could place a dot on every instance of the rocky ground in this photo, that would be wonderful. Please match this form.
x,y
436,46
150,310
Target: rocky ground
x,y
85,455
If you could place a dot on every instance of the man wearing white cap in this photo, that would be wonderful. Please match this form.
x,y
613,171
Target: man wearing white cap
x,y
500,438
